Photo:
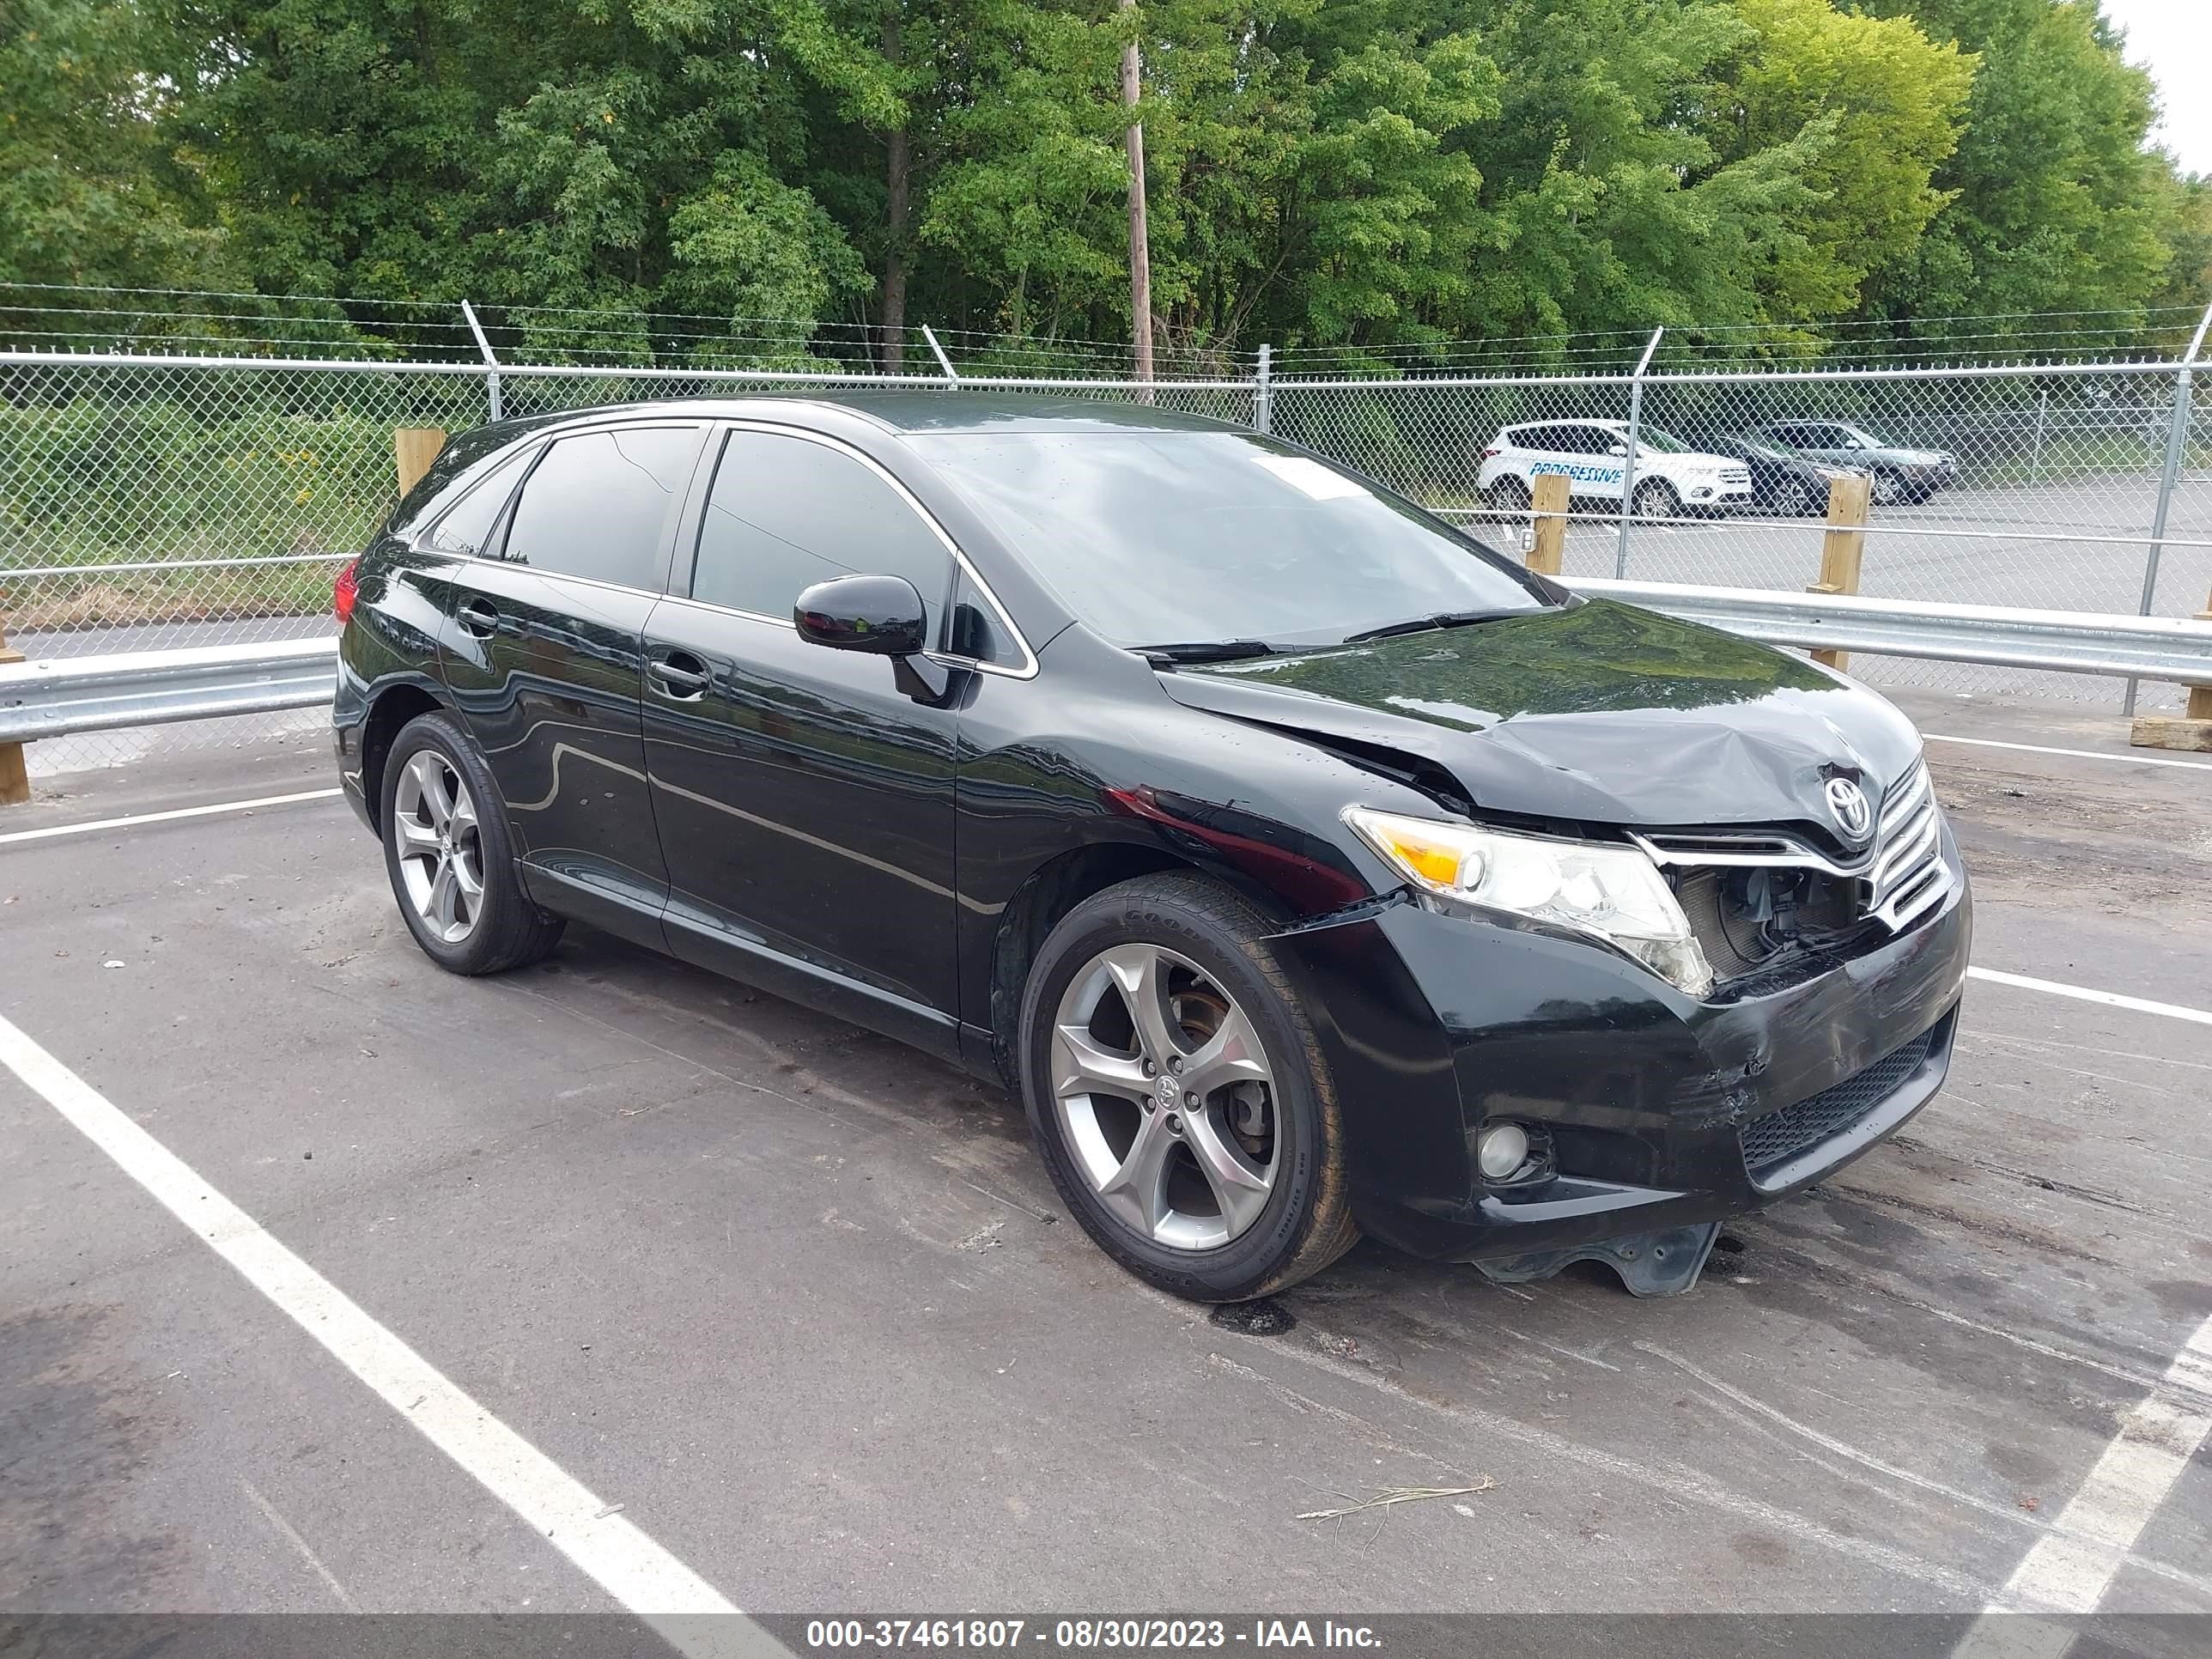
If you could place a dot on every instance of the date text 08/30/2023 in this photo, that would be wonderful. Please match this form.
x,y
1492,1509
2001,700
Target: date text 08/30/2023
x,y
1086,1635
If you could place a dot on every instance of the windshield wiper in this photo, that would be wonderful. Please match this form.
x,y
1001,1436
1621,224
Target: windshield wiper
x,y
1207,650
1424,624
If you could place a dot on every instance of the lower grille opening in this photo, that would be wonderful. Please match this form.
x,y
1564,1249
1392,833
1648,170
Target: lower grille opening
x,y
1774,1139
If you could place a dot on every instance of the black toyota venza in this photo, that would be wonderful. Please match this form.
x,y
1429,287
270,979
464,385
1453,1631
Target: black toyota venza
x,y
1308,868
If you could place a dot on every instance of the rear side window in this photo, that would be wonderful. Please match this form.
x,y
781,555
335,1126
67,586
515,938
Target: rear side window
x,y
599,502
465,526
786,512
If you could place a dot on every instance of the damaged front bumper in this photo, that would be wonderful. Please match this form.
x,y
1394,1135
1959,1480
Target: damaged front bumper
x,y
1656,1116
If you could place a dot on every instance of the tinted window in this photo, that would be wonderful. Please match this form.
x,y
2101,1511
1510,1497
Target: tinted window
x,y
786,513
1589,441
1551,438
465,527
976,632
596,505
1158,537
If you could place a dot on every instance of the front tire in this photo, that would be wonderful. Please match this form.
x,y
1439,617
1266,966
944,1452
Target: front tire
x,y
1656,499
1889,490
1177,1094
451,855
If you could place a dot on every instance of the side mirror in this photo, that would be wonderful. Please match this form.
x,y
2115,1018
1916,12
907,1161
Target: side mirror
x,y
1617,449
883,615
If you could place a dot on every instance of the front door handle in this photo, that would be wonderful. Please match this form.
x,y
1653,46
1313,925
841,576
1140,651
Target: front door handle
x,y
480,618
680,675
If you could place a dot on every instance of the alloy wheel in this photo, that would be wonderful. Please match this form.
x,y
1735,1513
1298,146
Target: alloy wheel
x,y
1888,489
440,851
1165,1096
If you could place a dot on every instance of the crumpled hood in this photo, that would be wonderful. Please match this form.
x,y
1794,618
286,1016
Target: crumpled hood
x,y
1599,712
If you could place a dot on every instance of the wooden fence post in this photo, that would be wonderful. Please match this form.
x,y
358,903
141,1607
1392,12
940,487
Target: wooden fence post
x,y
15,776
2192,729
1547,549
1843,545
414,447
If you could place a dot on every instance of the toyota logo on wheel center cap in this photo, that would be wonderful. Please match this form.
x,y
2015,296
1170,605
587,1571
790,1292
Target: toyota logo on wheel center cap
x,y
1164,1091
1848,805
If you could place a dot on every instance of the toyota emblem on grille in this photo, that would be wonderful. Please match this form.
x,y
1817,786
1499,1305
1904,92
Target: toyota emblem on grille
x,y
1847,805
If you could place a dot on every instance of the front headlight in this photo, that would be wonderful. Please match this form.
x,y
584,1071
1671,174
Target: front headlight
x,y
1615,894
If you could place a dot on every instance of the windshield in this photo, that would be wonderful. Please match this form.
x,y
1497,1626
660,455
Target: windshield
x,y
1666,443
1158,537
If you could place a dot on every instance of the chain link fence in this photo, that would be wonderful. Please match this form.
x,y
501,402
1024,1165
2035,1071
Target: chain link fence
x,y
2030,486
148,503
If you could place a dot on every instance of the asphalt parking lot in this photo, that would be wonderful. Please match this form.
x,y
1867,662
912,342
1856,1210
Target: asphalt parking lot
x,y
801,1308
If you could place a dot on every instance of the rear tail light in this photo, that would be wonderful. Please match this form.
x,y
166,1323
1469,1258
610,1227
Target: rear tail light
x,y
344,591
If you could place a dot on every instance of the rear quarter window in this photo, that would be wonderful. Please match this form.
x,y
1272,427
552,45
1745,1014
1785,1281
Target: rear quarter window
x,y
463,528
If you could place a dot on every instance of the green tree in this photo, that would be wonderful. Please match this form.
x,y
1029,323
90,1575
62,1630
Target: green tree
x,y
2056,203
90,191
1882,106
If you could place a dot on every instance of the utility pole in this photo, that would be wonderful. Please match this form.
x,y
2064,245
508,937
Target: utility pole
x,y
898,169
1140,247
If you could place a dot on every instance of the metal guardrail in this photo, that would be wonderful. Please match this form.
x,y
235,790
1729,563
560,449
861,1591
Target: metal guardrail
x,y
62,697
2064,641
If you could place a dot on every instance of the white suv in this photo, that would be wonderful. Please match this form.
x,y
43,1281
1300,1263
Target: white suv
x,y
1671,477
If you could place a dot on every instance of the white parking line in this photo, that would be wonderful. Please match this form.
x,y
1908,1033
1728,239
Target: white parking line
x,y
2072,1568
2078,754
2083,993
609,1548
136,819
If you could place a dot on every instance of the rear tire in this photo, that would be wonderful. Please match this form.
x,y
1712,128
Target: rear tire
x,y
445,833
1242,1193
1507,496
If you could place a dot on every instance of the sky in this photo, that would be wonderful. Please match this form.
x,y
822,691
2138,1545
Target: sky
x,y
2172,39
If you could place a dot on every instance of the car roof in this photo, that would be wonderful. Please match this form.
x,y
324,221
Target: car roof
x,y
922,410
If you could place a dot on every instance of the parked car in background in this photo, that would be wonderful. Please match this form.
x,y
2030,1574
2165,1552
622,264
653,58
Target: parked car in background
x,y
1901,475
1781,481
1671,477
1307,868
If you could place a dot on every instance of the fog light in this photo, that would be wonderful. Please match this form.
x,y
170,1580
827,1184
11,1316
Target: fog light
x,y
1502,1149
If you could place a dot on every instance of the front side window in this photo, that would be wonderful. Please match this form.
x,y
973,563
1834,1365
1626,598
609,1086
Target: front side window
x,y
1173,537
786,512
598,504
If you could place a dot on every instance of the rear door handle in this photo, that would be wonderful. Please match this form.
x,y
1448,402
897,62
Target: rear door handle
x,y
479,617
681,675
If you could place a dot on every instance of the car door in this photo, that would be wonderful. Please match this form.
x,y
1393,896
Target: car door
x,y
1549,449
805,799
1824,442
543,658
1597,470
